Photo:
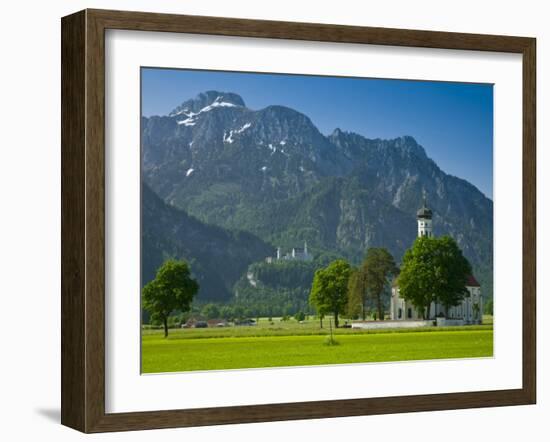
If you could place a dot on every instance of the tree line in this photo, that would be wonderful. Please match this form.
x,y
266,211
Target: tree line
x,y
340,289
432,270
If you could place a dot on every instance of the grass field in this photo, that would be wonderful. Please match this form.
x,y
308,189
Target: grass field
x,y
289,343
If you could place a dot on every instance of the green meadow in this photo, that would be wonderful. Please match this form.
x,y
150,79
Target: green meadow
x,y
289,343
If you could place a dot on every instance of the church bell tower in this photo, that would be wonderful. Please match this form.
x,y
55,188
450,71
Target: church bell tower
x,y
424,220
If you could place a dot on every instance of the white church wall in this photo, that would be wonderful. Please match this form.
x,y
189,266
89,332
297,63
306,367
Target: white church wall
x,y
373,325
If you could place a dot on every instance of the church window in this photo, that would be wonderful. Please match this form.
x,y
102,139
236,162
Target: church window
x,y
399,313
409,313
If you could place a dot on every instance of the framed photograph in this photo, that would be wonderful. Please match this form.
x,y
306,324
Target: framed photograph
x,y
267,221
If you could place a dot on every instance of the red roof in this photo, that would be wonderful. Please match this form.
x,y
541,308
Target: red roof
x,y
472,282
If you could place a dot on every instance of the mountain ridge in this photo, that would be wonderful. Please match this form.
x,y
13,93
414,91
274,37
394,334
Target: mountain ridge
x,y
272,173
218,257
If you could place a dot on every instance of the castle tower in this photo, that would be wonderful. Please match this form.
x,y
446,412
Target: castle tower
x,y
278,253
424,220
305,249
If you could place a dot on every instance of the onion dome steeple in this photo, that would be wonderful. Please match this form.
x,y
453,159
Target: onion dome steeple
x,y
424,212
424,220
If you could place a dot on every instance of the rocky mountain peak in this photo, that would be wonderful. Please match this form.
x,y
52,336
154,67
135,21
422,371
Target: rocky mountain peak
x,y
278,123
409,145
284,114
340,137
206,101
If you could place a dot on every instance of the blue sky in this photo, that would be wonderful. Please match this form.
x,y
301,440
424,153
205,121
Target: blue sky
x,y
453,121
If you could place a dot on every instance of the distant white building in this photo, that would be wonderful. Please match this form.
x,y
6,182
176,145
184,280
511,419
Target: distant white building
x,y
295,254
469,311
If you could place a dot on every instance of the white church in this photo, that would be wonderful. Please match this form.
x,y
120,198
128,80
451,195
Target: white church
x,y
469,311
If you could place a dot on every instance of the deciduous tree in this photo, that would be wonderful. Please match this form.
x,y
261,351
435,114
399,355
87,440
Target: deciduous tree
x,y
370,280
329,292
434,270
357,294
172,289
378,267
210,311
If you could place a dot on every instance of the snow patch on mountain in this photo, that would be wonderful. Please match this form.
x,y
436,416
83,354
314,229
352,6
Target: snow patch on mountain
x,y
188,122
217,103
191,116
182,111
228,138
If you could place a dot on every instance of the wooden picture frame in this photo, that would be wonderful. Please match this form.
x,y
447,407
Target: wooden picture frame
x,y
83,220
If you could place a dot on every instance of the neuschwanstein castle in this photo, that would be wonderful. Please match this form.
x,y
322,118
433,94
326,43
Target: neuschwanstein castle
x,y
296,254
